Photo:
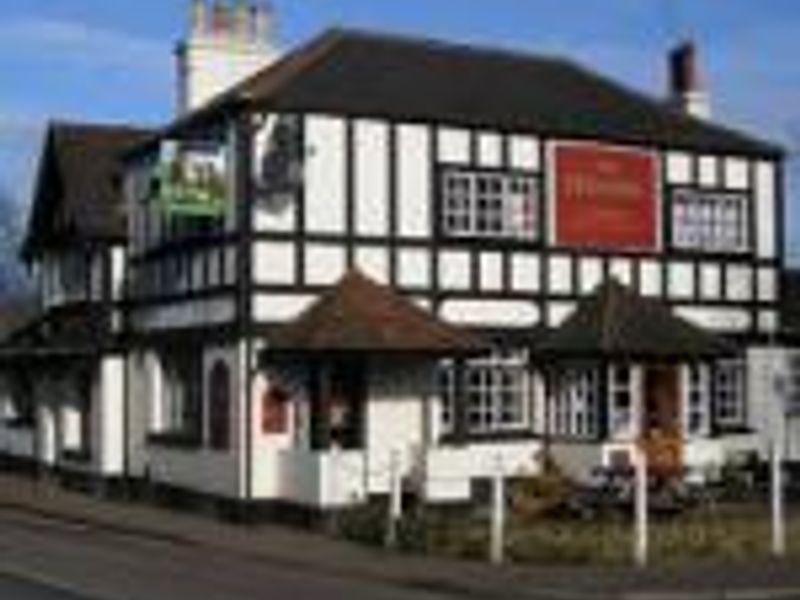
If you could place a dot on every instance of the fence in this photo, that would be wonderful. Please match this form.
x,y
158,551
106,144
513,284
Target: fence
x,y
628,517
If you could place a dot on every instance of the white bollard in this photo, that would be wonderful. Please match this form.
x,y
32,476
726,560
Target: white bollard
x,y
395,500
640,544
497,532
776,488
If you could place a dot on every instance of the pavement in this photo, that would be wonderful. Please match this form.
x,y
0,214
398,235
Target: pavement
x,y
284,551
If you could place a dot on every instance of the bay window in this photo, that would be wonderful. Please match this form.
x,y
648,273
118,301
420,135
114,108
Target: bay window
x,y
496,391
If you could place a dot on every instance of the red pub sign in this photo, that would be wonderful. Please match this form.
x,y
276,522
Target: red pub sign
x,y
605,196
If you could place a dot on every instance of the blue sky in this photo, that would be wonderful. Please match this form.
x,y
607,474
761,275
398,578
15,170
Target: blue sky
x,y
112,60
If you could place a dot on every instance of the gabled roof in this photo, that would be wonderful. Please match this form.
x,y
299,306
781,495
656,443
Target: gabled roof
x,y
616,323
359,315
384,75
78,189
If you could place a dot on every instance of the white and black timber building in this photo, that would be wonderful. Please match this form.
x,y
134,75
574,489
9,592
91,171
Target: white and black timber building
x,y
432,255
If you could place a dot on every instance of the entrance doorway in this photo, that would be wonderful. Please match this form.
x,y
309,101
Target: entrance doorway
x,y
661,421
338,405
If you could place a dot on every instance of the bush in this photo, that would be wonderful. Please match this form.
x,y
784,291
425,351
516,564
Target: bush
x,y
542,495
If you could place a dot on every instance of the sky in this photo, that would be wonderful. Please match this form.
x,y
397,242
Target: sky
x,y
102,60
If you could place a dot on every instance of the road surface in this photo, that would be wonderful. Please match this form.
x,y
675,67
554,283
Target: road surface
x,y
48,560
16,588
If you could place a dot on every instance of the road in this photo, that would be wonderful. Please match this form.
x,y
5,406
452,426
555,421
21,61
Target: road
x,y
17,588
47,560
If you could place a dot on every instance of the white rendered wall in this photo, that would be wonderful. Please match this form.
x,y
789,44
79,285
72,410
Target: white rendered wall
x,y
109,450
325,174
414,193
371,178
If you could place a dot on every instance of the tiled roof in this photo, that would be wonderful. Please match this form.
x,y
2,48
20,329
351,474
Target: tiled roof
x,y
65,332
405,78
78,190
616,323
359,315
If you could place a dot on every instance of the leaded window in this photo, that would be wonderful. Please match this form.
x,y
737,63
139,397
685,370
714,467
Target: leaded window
x,y
710,221
696,412
620,384
496,391
575,405
729,393
489,204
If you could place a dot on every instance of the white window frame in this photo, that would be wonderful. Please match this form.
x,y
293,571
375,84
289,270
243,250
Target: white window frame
x,y
696,400
490,204
710,221
623,390
793,383
488,384
730,393
575,404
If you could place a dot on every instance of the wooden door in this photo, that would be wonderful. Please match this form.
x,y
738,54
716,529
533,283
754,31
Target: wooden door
x,y
661,421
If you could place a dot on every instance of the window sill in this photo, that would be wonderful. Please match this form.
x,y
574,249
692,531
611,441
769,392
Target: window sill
x,y
510,435
77,456
732,430
175,439
19,423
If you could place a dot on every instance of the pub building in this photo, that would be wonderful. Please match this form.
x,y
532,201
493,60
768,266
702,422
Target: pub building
x,y
376,252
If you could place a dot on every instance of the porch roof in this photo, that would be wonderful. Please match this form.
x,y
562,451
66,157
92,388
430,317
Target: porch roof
x,y
360,315
66,333
615,322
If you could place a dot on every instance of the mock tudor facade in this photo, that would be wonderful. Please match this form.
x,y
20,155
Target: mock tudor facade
x,y
487,201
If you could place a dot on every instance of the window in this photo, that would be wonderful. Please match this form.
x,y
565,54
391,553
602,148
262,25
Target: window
x,y
219,399
183,395
729,393
496,390
574,410
489,204
620,383
710,221
23,407
696,411
792,388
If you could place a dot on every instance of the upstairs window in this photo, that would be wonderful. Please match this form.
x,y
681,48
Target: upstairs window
x,y
710,221
488,204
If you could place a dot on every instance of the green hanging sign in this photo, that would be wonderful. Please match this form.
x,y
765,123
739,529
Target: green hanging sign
x,y
202,195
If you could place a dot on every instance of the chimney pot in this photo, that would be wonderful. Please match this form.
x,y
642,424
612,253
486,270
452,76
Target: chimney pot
x,y
684,74
220,22
198,17
685,87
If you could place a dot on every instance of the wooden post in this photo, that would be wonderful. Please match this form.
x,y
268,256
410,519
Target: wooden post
x,y
776,462
395,506
460,425
640,545
497,527
778,530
